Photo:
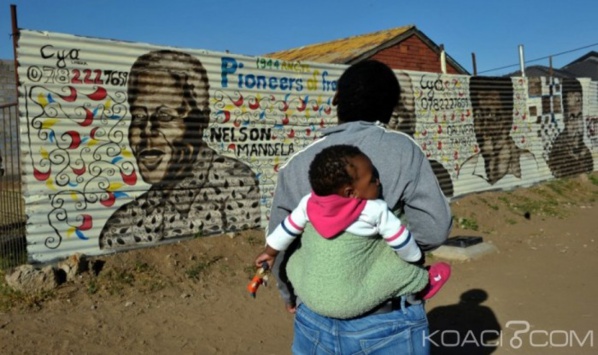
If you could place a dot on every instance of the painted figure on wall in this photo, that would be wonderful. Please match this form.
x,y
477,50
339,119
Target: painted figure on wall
x,y
194,190
499,155
403,119
569,154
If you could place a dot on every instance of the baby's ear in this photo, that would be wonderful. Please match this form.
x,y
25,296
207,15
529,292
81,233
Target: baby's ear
x,y
348,191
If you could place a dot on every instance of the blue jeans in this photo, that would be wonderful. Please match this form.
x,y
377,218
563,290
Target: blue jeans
x,y
402,331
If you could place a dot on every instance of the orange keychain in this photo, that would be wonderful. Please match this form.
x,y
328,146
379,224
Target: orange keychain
x,y
259,278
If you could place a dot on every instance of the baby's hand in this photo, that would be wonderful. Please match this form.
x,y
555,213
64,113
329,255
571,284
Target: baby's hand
x,y
265,257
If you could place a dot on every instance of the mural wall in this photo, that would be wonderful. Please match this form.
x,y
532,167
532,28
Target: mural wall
x,y
127,145
8,95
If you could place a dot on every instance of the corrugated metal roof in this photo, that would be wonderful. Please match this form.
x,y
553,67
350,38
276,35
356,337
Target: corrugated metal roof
x,y
341,50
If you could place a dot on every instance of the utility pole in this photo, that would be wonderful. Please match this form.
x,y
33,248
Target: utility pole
x,y
475,66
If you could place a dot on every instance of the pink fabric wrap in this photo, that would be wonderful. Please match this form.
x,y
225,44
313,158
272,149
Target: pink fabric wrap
x,y
332,214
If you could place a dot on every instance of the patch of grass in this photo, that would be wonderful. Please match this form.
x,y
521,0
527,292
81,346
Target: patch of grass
x,y
92,286
253,240
153,285
142,276
511,221
543,192
492,206
559,186
467,223
10,298
199,267
546,198
593,179
116,280
138,275
546,205
143,266
543,207
470,224
35,301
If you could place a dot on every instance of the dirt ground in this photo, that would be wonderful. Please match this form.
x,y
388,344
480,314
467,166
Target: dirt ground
x,y
536,295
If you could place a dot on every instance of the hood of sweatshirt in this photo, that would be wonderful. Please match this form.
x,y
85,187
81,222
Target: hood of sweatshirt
x,y
332,214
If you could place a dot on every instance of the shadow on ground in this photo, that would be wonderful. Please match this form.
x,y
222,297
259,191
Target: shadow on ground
x,y
467,327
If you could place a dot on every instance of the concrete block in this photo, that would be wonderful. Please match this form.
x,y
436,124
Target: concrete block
x,y
463,254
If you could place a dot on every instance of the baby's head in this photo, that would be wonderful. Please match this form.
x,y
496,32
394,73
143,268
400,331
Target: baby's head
x,y
346,171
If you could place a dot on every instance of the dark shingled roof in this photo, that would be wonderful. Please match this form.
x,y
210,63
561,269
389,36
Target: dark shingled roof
x,y
541,70
585,66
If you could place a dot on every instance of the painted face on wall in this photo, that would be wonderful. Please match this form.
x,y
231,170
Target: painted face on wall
x,y
492,123
158,127
574,118
493,119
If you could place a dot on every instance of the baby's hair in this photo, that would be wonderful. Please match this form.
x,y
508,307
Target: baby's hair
x,y
328,170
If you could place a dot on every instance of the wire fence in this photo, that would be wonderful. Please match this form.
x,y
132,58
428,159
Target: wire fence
x,y
13,243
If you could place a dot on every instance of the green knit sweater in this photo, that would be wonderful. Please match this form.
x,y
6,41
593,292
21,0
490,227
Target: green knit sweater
x,y
348,275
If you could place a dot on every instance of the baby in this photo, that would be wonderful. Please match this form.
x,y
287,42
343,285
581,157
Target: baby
x,y
346,198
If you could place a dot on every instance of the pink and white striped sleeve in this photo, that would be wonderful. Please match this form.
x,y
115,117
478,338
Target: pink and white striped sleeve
x,y
290,228
397,235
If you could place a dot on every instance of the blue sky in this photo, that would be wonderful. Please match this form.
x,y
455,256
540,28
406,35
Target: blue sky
x,y
492,29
